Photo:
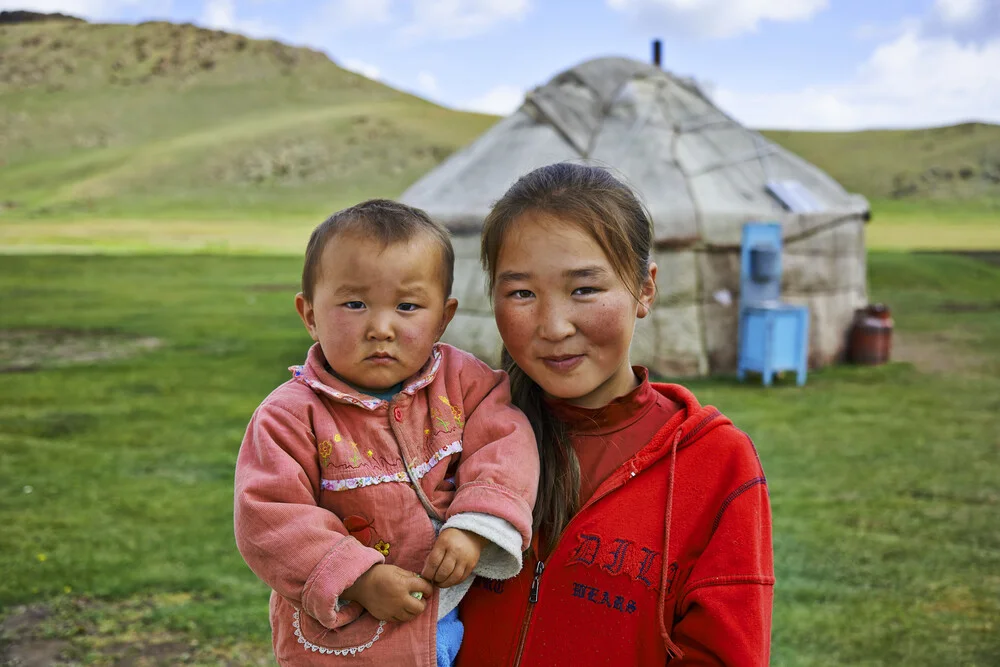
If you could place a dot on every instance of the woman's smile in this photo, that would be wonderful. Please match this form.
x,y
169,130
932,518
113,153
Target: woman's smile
x,y
563,363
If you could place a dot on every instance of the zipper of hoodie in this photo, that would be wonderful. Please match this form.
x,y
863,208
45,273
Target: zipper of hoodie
x,y
532,599
536,583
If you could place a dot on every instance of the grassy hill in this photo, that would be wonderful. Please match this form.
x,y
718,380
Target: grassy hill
x,y
959,162
159,120
173,119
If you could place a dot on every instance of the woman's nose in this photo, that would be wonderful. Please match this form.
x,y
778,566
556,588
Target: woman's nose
x,y
555,323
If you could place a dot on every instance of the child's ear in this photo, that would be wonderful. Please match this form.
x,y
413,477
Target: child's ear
x,y
450,306
307,314
647,292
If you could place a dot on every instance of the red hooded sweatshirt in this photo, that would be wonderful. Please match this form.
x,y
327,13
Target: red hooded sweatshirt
x,y
670,560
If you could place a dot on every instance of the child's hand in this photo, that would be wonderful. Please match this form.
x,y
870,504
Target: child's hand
x,y
386,591
454,555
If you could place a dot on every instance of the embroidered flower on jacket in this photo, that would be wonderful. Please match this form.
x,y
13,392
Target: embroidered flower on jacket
x,y
325,450
382,547
355,457
362,528
455,412
442,423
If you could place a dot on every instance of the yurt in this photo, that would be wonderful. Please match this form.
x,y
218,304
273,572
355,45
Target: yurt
x,y
701,174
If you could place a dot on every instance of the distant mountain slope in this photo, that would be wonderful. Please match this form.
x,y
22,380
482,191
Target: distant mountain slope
x,y
162,118
166,120
959,162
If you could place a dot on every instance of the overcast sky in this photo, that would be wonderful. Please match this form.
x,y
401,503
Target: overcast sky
x,y
797,64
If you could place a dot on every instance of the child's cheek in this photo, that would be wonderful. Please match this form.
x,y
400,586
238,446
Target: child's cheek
x,y
410,336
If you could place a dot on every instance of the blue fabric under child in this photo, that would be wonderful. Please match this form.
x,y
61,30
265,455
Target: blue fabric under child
x,y
449,638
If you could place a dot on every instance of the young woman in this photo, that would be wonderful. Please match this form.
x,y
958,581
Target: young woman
x,y
652,525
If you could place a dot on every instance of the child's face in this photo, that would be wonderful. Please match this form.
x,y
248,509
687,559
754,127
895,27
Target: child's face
x,y
377,312
563,313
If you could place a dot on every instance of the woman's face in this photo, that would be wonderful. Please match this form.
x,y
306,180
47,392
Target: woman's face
x,y
563,313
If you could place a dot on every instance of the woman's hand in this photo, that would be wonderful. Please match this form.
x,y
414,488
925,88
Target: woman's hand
x,y
455,553
386,591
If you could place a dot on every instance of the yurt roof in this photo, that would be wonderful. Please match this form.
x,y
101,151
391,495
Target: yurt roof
x,y
700,173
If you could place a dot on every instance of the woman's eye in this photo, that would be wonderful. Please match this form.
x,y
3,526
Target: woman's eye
x,y
354,305
407,307
585,291
521,294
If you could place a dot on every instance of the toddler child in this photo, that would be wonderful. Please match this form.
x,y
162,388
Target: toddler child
x,y
388,462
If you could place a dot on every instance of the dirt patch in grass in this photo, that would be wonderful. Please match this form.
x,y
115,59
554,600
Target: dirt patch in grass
x,y
957,307
939,352
82,631
989,256
35,652
34,349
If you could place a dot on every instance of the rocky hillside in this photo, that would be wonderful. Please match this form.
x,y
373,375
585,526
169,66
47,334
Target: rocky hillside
x,y
138,119
166,120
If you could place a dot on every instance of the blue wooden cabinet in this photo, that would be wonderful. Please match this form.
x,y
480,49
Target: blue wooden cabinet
x,y
773,336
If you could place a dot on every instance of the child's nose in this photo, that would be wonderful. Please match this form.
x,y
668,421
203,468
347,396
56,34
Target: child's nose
x,y
381,328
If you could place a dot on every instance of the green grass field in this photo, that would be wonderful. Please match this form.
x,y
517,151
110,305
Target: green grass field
x,y
895,226
158,185
116,498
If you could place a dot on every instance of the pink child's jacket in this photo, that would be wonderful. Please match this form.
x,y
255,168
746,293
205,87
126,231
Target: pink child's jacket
x,y
323,492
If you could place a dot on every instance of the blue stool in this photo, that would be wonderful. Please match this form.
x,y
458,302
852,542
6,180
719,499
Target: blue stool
x,y
773,336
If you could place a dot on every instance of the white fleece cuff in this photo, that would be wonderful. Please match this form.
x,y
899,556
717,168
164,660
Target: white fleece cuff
x,y
501,557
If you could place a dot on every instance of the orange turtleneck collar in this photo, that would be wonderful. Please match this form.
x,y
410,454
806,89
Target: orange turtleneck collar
x,y
605,438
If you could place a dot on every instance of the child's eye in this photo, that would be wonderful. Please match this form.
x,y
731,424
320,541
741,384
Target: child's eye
x,y
354,305
521,294
585,291
407,307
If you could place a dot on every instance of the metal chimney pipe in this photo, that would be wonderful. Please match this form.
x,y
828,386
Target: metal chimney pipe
x,y
657,53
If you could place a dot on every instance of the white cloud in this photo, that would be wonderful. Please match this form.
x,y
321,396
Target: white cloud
x,y
911,81
364,69
499,100
221,15
715,18
338,15
966,20
458,19
427,83
320,27
959,12
90,9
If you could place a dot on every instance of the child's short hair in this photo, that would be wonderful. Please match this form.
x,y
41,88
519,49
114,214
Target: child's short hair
x,y
382,220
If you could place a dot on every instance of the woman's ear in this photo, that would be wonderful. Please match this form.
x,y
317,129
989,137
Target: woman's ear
x,y
647,292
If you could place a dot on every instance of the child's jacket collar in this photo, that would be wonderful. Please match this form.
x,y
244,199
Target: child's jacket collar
x,y
314,375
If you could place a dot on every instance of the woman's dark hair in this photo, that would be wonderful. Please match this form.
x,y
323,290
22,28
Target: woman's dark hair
x,y
608,211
